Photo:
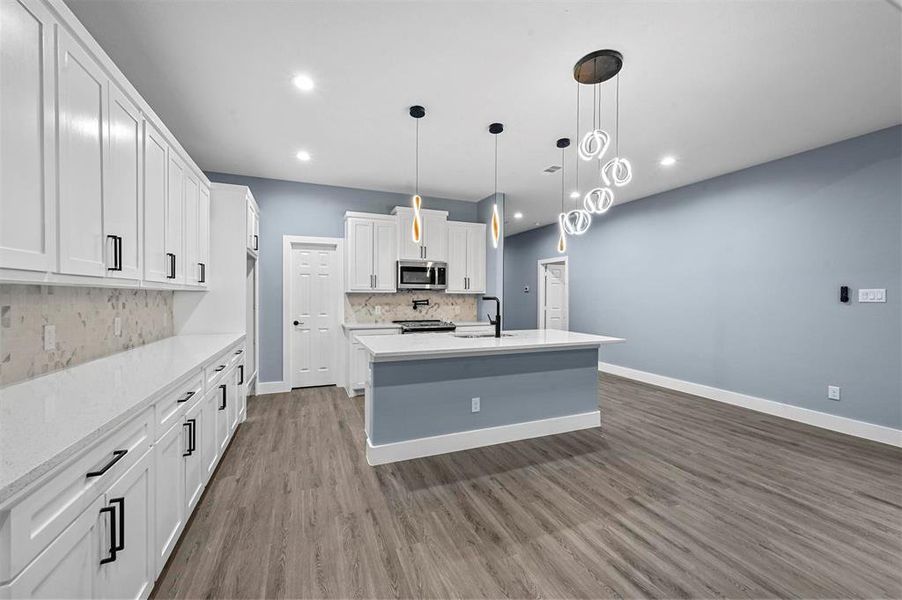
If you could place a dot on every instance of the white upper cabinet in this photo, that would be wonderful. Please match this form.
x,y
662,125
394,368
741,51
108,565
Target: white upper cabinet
x,y
192,229
26,136
433,244
93,187
156,159
371,252
175,220
122,194
466,258
80,114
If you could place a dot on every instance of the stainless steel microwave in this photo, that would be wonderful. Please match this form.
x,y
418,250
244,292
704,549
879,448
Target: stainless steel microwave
x,y
422,275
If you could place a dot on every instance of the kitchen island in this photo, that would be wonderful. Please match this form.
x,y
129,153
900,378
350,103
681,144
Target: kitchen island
x,y
432,393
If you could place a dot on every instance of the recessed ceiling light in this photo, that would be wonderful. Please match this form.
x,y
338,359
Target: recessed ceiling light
x,y
303,155
668,161
574,194
303,82
518,215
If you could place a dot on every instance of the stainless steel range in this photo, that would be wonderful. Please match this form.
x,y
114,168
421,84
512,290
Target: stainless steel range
x,y
425,326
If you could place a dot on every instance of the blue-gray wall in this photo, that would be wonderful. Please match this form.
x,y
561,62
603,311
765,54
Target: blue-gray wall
x,y
494,257
734,282
292,208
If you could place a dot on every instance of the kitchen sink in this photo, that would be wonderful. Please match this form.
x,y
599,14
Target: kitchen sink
x,y
486,334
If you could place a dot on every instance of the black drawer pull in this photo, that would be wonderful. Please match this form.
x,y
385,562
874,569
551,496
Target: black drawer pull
x,y
113,546
223,388
238,351
117,456
185,398
219,368
241,373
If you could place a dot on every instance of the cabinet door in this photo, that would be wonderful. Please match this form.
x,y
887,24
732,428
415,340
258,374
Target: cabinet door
x,y
175,219
407,248
222,417
156,160
385,249
360,361
476,258
359,233
203,225
122,195
249,224
234,402
195,468
81,111
26,136
435,236
207,440
169,499
192,229
457,258
243,375
132,575
70,566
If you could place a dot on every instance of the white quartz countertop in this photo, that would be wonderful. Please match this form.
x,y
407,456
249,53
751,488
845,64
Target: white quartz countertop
x,y
389,325
44,421
419,346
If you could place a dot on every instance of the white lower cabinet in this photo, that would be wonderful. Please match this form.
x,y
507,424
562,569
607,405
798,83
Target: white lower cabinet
x,y
359,358
104,525
170,492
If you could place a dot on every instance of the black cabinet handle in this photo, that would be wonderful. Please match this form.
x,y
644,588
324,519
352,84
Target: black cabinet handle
x,y
238,351
185,398
112,556
117,253
241,372
223,388
171,274
188,450
219,368
256,241
121,513
117,456
192,436
203,273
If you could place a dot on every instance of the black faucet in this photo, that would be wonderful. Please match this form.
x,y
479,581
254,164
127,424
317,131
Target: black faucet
x,y
497,321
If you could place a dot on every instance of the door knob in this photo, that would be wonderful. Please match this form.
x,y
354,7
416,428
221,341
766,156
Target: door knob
x,y
298,322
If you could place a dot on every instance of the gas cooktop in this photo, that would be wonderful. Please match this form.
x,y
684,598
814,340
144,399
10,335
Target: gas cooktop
x,y
425,326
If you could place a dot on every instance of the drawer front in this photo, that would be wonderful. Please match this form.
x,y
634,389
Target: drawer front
x,y
42,515
236,356
172,405
215,369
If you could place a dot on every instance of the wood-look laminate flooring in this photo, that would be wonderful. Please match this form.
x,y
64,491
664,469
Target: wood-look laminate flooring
x,y
674,496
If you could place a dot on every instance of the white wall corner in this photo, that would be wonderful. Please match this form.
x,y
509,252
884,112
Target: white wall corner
x,y
861,429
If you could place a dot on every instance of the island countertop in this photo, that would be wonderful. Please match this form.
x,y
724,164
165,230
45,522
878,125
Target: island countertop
x,y
421,346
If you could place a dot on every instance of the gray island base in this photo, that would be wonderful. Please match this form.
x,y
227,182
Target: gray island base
x,y
434,393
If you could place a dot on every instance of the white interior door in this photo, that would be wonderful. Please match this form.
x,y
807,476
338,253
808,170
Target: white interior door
x,y
555,310
314,315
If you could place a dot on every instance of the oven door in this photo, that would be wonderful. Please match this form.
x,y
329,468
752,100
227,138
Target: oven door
x,y
421,275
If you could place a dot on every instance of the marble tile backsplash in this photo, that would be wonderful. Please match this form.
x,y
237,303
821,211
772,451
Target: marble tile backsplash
x,y
383,308
84,322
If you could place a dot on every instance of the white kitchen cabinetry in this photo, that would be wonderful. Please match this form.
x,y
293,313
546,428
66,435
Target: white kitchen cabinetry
x,y
81,114
203,234
466,258
358,357
433,244
122,187
371,250
170,492
253,228
195,469
77,165
27,122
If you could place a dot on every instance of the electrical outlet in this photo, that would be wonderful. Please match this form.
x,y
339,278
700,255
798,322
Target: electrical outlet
x,y
117,326
377,310
474,405
833,392
872,295
49,337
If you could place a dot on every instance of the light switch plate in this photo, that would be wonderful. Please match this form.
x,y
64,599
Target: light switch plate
x,y
872,295
833,392
49,337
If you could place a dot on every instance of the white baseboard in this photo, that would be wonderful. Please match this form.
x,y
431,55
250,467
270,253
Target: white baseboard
x,y
271,387
464,440
868,431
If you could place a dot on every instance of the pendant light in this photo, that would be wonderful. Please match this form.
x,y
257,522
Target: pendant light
x,y
495,226
576,221
416,229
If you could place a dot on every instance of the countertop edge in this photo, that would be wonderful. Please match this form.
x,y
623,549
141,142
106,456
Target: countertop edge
x,y
16,486
463,352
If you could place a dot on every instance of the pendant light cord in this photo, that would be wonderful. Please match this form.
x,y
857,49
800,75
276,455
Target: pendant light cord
x,y
417,160
617,118
562,180
576,200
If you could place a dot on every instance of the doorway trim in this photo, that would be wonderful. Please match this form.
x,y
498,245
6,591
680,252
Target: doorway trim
x,y
540,286
290,242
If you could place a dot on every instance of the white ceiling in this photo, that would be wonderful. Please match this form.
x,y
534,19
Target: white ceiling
x,y
720,85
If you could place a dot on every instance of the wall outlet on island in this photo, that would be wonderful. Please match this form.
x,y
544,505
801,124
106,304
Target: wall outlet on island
x,y
474,405
49,337
117,326
833,392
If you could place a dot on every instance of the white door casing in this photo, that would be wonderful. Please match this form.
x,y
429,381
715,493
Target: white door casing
x,y
553,294
312,310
